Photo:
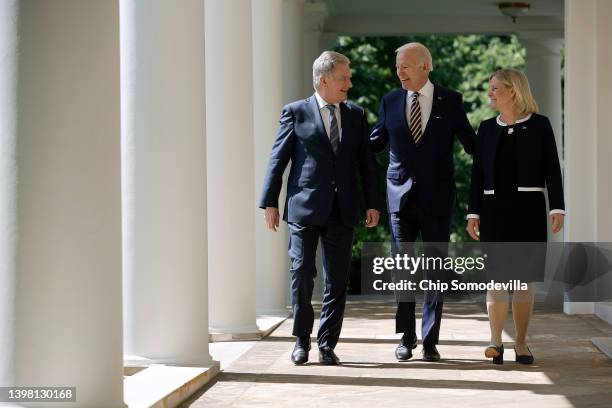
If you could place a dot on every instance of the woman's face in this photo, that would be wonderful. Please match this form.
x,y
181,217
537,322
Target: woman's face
x,y
501,97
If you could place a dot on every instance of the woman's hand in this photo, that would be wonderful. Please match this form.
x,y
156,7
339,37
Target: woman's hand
x,y
473,228
556,222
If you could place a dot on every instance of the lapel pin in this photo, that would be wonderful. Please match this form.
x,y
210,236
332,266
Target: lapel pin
x,y
524,127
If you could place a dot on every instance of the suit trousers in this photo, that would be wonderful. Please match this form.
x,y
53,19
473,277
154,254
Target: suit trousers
x,y
336,242
405,227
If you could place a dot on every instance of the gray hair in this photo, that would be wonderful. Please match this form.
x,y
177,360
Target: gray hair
x,y
325,64
423,53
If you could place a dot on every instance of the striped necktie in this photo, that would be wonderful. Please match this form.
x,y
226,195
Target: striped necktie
x,y
416,126
334,134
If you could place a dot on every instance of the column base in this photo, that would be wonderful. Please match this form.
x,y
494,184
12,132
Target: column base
x,y
574,308
242,333
137,363
604,344
603,310
279,311
267,323
167,386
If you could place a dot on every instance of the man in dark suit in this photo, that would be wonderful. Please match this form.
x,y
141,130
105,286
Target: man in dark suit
x,y
419,122
326,140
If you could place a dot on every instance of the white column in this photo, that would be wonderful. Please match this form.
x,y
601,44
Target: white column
x,y
314,17
580,130
588,136
164,182
60,217
315,13
272,264
312,50
603,86
293,66
604,146
9,169
315,42
327,40
293,51
230,149
543,68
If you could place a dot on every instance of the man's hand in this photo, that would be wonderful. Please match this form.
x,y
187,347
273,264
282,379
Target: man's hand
x,y
556,222
473,228
372,218
272,218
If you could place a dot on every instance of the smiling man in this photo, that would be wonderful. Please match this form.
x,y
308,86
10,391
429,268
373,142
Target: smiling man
x,y
326,140
419,122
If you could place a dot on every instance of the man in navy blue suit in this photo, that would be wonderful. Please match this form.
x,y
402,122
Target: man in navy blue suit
x,y
326,140
419,123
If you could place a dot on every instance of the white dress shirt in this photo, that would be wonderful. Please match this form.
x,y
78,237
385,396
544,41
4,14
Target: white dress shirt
x,y
326,115
425,100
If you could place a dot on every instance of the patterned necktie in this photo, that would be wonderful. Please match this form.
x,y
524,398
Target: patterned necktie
x,y
416,126
334,134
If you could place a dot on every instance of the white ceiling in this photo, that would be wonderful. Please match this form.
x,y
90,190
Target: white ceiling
x,y
474,8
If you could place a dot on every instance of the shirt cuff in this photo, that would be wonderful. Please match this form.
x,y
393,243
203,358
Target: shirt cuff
x,y
557,212
476,216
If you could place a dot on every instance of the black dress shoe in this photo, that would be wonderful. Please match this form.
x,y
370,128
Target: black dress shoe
x,y
525,358
403,352
430,353
328,357
300,351
496,352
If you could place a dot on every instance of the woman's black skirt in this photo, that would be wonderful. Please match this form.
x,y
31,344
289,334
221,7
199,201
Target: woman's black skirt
x,y
513,230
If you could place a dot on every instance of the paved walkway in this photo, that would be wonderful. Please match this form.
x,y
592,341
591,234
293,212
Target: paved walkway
x,y
569,370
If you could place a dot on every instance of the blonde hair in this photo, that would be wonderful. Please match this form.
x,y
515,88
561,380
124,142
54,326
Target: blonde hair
x,y
513,79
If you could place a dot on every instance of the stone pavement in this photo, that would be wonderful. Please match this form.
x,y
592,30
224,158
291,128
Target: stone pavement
x,y
569,370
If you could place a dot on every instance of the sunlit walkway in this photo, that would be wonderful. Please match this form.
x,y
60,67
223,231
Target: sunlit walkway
x,y
569,370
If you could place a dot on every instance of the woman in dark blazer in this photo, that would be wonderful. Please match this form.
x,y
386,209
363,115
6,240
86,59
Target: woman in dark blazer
x,y
515,159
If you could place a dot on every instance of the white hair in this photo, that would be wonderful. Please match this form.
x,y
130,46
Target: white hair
x,y
325,64
422,52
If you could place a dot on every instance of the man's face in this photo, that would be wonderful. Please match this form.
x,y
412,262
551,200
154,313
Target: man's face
x,y
500,95
411,74
335,86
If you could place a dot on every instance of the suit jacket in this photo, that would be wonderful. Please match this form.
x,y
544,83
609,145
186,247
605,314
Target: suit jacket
x,y
430,164
317,174
538,161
